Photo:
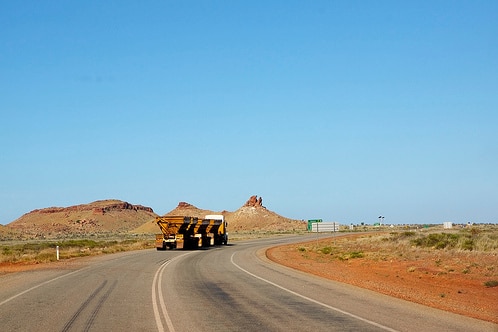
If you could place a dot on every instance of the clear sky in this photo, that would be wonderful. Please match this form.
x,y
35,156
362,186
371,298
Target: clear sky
x,y
340,110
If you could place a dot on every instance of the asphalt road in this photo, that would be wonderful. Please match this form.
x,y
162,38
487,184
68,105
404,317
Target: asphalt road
x,y
228,288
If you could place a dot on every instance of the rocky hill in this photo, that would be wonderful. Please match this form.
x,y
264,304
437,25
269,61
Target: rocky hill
x,y
100,217
252,216
115,216
183,209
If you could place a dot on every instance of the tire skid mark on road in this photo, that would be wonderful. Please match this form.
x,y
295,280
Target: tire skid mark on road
x,y
95,311
39,285
310,299
82,307
157,292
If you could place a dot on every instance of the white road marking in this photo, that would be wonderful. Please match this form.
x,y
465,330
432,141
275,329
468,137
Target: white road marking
x,y
156,284
312,300
157,315
39,285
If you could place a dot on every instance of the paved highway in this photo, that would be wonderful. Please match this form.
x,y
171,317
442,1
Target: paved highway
x,y
229,288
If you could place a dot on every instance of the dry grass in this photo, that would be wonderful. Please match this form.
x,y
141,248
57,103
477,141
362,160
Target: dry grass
x,y
408,245
445,251
45,251
454,270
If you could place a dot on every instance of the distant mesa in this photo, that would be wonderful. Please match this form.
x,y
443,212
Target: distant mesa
x,y
98,207
99,217
117,217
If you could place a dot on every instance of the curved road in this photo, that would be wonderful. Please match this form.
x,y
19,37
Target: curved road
x,y
229,288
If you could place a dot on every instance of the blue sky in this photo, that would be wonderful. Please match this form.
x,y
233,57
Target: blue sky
x,y
340,110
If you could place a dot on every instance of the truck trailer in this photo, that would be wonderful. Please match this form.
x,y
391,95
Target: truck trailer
x,y
184,232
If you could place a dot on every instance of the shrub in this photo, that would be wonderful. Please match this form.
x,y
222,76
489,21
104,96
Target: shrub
x,y
351,255
326,250
356,254
437,241
464,240
491,283
468,244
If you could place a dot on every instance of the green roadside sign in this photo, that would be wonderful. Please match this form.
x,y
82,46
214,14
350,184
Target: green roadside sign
x,y
310,221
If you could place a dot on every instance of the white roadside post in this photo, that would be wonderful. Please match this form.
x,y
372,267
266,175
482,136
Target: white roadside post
x,y
57,252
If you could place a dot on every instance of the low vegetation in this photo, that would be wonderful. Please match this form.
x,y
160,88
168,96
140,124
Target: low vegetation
x,y
473,239
491,283
406,243
449,269
46,251
448,251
